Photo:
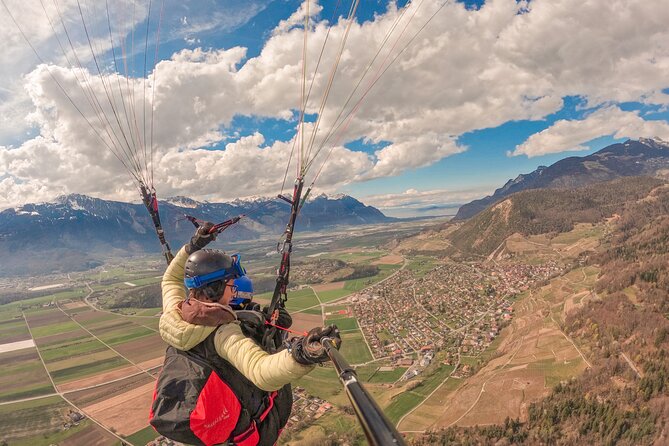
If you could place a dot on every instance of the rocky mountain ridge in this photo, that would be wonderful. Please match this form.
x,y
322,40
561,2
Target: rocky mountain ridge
x,y
643,157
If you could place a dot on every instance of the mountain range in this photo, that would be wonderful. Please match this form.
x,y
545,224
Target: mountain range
x,y
74,231
643,157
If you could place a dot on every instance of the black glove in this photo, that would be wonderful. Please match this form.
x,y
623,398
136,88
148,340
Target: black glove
x,y
201,238
284,320
308,349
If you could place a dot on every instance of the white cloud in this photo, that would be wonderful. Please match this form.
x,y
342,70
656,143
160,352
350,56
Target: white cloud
x,y
204,16
468,70
297,19
416,198
572,135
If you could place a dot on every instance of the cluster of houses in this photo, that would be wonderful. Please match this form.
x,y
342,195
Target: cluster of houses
x,y
306,408
73,418
458,308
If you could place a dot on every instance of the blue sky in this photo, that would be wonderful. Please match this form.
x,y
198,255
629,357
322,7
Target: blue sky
x,y
485,91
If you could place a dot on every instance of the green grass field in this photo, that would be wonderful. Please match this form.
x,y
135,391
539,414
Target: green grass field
x,y
130,333
344,324
471,361
316,310
52,329
302,299
151,323
356,257
354,348
580,232
421,265
13,328
434,380
86,366
145,280
297,300
26,391
305,298
22,375
359,284
404,402
37,302
142,437
388,377
330,295
371,374
334,308
324,383
71,349
58,436
144,312
9,314
32,419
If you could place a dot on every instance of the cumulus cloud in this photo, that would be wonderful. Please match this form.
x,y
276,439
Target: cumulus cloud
x,y
413,202
572,135
467,70
414,197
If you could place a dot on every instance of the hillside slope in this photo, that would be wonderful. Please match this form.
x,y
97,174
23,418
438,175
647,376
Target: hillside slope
x,y
622,328
548,211
645,157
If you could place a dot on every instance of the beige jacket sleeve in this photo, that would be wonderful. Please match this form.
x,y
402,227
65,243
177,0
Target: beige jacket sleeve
x,y
268,372
173,329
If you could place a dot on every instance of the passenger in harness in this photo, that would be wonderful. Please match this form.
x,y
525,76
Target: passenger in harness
x,y
218,386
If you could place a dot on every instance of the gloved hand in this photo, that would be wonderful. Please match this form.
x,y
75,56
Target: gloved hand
x,y
284,320
201,238
308,349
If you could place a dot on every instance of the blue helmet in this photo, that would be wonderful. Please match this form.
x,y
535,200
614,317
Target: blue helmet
x,y
243,285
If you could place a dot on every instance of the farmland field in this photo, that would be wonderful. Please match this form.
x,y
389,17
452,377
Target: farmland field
x,y
52,329
13,330
26,364
142,349
407,400
323,383
102,392
67,349
32,418
142,437
402,404
301,299
330,295
73,368
372,374
98,378
354,349
344,324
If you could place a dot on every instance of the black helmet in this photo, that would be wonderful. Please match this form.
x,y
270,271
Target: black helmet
x,y
206,266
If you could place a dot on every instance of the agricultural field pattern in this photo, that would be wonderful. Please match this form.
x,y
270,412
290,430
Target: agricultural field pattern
x,y
438,343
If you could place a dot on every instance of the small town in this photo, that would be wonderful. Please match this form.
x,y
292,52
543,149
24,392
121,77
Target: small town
x,y
455,308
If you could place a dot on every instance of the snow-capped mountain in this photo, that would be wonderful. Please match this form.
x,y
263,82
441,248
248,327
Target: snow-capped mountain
x,y
74,230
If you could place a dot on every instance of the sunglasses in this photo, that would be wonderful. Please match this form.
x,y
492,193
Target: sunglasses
x,y
219,288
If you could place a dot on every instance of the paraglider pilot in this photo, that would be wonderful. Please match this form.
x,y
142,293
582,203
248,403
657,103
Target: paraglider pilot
x,y
218,385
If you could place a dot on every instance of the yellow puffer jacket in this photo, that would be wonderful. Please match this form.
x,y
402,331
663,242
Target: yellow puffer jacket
x,y
268,372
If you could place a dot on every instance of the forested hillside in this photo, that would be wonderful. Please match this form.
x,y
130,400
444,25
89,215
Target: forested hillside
x,y
548,211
